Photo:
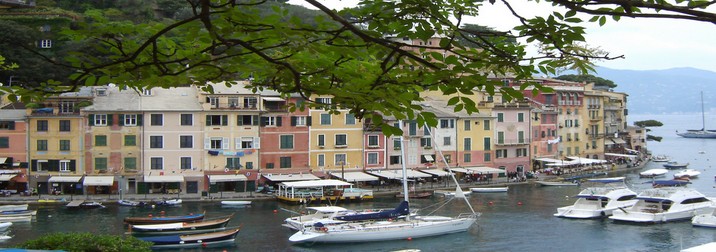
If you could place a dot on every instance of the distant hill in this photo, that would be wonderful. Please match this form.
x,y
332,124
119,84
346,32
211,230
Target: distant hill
x,y
669,91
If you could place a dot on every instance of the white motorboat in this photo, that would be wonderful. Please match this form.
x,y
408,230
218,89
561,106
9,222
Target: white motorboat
x,y
599,200
705,220
235,202
13,207
708,247
323,214
169,202
665,204
687,173
651,173
16,218
660,158
450,193
18,213
489,189
403,227
675,165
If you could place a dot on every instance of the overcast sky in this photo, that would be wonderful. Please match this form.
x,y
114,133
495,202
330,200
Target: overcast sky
x,y
647,44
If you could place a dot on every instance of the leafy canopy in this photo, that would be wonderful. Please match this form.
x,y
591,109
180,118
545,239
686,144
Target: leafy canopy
x,y
364,57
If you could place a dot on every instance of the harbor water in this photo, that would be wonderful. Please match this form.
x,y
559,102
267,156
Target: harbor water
x,y
519,220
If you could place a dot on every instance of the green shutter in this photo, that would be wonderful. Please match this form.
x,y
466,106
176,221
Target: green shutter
x,y
121,120
91,119
110,119
139,119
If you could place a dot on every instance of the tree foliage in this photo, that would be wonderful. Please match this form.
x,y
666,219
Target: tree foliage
x,y
86,242
363,57
588,78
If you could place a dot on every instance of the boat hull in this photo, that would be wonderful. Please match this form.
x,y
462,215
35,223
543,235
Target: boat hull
x,y
165,219
646,217
704,220
489,189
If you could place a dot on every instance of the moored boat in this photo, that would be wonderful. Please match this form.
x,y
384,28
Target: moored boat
x,y
180,227
488,189
235,202
450,193
5,225
675,165
15,218
665,204
131,203
163,219
169,202
687,173
208,239
660,158
558,183
705,219
19,213
651,173
13,207
85,205
599,200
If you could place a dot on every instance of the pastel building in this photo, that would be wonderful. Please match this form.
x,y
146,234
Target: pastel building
x,y
336,140
13,147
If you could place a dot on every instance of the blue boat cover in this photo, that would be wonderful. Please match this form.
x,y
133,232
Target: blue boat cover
x,y
402,209
162,239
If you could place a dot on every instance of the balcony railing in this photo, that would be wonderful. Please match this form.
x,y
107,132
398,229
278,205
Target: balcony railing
x,y
511,142
235,106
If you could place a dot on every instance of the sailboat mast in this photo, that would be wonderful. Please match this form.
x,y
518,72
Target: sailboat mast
x,y
402,162
703,116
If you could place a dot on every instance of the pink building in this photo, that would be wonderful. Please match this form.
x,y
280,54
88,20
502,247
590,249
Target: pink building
x,y
13,148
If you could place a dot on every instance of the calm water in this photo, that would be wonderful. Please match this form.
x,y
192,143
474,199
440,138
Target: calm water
x,y
504,226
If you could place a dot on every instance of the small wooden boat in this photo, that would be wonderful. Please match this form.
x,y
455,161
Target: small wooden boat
x,y
13,207
85,205
5,225
19,213
675,165
558,183
131,203
163,219
488,189
5,237
181,227
235,202
15,218
415,195
193,240
450,193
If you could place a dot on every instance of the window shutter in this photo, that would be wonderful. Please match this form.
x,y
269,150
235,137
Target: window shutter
x,y
255,120
308,121
139,119
72,165
12,126
224,120
225,144
293,121
91,119
208,120
207,143
33,165
208,100
121,120
239,120
110,120
264,121
278,121
257,143
237,143
53,165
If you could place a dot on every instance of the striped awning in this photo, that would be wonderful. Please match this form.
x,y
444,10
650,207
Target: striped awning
x,y
98,181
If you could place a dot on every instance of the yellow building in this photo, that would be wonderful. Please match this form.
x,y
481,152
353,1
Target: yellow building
x,y
336,140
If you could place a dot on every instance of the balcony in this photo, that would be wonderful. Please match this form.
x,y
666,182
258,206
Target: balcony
x,y
234,106
513,142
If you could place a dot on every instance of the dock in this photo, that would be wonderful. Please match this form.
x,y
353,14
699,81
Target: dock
x,y
75,203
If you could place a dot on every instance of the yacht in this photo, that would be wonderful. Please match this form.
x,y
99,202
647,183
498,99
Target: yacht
x,y
599,200
334,215
660,158
322,214
665,204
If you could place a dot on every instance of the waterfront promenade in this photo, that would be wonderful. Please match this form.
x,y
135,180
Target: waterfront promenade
x,y
378,191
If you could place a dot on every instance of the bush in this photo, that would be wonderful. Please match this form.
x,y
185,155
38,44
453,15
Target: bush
x,y
87,242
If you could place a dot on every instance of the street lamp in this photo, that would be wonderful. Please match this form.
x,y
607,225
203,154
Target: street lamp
x,y
343,172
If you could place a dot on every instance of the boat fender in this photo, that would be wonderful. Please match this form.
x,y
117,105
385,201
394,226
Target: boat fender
x,y
181,242
603,214
324,229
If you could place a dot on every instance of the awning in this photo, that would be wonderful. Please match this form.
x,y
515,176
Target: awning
x,y
3,159
355,176
64,179
290,177
619,155
484,169
227,178
98,181
618,141
6,177
436,172
272,99
429,158
463,170
163,179
581,160
548,160
316,183
398,174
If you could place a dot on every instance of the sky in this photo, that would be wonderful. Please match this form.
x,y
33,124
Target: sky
x,y
647,44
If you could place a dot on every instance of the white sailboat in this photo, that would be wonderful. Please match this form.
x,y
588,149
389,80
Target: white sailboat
x,y
703,132
403,227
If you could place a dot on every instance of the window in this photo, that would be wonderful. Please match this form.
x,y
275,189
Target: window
x,y
467,125
217,120
350,119
467,144
396,143
298,121
67,107
448,158
520,117
520,136
321,160
42,125
185,163
340,159
246,143
64,145
372,158
130,140
4,142
372,141
341,140
321,140
187,120
412,129
156,163
130,120
500,153
100,120
325,119
323,100
426,142
271,121
487,157
65,126
46,43
395,159
233,102
486,143
186,141
130,163
157,119
249,165
64,165
100,164
447,123
216,143
214,101
7,125
286,142
500,137
100,140
486,124
41,145
447,141
285,162
500,117
156,142
233,163
467,158
426,131
247,120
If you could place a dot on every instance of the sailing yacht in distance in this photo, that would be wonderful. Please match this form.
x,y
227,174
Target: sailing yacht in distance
x,y
402,227
703,132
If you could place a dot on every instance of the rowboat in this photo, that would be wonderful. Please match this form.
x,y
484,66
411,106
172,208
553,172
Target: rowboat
x,y
86,205
675,165
193,240
18,213
488,189
5,225
450,193
181,227
15,218
235,202
13,207
130,203
558,183
163,219
170,202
